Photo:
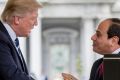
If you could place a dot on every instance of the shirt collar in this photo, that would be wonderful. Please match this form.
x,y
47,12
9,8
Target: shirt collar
x,y
116,51
10,31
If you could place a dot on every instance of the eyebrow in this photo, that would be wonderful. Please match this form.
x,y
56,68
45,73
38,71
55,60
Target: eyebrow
x,y
98,31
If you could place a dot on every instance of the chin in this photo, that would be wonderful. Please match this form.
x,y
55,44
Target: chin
x,y
99,52
24,35
95,50
27,35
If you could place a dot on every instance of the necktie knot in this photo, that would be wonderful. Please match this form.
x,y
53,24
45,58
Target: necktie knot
x,y
16,42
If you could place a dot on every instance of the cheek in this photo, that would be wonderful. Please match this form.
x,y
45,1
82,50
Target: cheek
x,y
30,24
101,44
105,45
27,25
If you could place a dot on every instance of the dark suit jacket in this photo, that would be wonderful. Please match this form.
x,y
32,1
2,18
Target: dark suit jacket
x,y
94,75
11,67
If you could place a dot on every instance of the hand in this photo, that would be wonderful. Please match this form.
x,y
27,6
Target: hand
x,y
67,76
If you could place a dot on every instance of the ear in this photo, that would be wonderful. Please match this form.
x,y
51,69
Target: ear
x,y
16,20
115,40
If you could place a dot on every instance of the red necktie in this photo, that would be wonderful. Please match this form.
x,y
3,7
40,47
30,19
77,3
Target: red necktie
x,y
100,69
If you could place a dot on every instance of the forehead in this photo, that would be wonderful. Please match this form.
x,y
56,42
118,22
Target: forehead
x,y
104,26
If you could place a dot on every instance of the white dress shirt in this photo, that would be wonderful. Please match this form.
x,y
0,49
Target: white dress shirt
x,y
10,31
116,51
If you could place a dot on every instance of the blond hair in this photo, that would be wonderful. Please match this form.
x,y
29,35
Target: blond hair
x,y
18,8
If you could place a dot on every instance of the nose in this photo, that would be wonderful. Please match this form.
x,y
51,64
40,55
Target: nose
x,y
93,37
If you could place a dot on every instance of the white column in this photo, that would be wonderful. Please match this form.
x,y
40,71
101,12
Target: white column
x,y
36,51
73,53
86,47
2,5
47,56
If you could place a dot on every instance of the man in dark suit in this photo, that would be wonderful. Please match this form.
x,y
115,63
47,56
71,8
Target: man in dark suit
x,y
106,40
17,20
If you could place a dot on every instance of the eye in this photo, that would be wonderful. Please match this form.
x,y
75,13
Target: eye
x,y
98,34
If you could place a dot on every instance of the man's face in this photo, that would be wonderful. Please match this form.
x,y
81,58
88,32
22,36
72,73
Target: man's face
x,y
26,24
101,43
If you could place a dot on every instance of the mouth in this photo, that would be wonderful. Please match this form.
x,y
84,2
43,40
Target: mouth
x,y
32,27
29,31
94,45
